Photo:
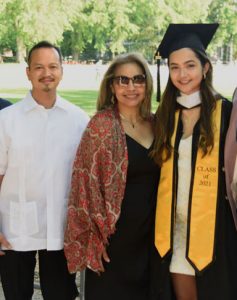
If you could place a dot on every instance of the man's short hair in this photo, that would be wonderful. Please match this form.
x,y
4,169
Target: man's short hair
x,y
43,44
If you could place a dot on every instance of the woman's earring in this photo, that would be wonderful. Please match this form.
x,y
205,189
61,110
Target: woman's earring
x,y
204,75
112,99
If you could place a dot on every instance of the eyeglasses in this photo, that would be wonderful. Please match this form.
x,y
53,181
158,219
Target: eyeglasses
x,y
137,80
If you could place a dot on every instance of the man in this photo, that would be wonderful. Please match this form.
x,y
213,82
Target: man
x,y
230,159
38,140
4,103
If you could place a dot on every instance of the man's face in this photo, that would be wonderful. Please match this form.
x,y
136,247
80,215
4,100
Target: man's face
x,y
45,70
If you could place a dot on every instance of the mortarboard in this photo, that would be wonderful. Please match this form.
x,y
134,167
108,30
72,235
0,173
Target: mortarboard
x,y
178,36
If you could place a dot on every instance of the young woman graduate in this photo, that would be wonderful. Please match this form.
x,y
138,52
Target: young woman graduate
x,y
230,158
195,235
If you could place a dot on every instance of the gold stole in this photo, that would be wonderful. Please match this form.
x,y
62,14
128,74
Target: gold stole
x,y
202,212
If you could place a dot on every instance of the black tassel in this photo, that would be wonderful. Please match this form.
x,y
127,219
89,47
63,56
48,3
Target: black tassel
x,y
158,94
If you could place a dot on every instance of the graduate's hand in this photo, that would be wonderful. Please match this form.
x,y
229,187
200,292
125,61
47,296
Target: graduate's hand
x,y
4,243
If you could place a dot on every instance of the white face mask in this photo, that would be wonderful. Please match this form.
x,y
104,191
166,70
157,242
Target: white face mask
x,y
189,101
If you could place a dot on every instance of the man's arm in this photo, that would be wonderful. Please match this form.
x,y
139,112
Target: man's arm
x,y
1,178
3,241
4,103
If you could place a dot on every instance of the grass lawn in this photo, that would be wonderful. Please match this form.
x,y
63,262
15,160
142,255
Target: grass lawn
x,y
85,99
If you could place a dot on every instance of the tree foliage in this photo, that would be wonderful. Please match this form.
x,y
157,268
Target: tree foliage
x,y
28,21
99,27
103,25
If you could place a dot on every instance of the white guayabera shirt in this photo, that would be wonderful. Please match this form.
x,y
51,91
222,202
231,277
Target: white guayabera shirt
x,y
37,149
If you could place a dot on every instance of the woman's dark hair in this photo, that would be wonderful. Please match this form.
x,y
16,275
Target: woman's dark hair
x,y
165,115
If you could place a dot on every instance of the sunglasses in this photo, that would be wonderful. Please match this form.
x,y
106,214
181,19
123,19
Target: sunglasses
x,y
137,80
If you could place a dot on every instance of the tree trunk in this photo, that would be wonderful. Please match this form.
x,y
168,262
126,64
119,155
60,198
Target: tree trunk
x,y
75,55
21,50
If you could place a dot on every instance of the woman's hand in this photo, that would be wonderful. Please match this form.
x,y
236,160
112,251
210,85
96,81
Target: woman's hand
x,y
105,256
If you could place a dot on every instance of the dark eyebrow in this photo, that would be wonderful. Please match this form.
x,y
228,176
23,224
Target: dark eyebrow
x,y
190,61
186,62
54,64
51,64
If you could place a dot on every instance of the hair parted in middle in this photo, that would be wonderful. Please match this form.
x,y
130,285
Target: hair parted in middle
x,y
165,115
106,98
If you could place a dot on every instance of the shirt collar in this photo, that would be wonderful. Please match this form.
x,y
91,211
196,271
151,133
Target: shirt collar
x,y
30,103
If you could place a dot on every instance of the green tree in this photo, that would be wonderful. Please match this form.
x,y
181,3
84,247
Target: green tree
x,y
29,21
153,17
224,13
108,26
3,5
146,16
103,25
181,11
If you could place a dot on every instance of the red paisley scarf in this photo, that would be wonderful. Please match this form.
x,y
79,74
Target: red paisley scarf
x,y
97,191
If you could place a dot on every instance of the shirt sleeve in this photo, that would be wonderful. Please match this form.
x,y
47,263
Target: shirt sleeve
x,y
3,147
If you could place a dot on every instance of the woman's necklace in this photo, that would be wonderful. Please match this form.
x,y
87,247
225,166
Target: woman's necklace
x,y
133,124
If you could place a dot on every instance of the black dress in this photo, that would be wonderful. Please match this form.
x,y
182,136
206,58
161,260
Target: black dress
x,y
127,276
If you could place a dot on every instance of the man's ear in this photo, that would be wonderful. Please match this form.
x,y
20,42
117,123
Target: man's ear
x,y
28,72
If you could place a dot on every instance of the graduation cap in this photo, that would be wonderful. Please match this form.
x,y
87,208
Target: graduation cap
x,y
178,36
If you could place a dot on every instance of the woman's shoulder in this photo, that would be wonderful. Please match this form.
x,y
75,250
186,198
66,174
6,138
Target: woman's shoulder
x,y
102,122
226,104
226,101
226,110
104,115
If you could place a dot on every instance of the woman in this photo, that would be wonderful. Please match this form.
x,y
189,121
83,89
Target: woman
x,y
230,158
112,203
195,234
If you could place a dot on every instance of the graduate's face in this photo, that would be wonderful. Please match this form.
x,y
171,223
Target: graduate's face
x,y
186,70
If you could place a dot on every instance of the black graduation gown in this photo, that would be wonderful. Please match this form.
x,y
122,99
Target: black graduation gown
x,y
218,281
